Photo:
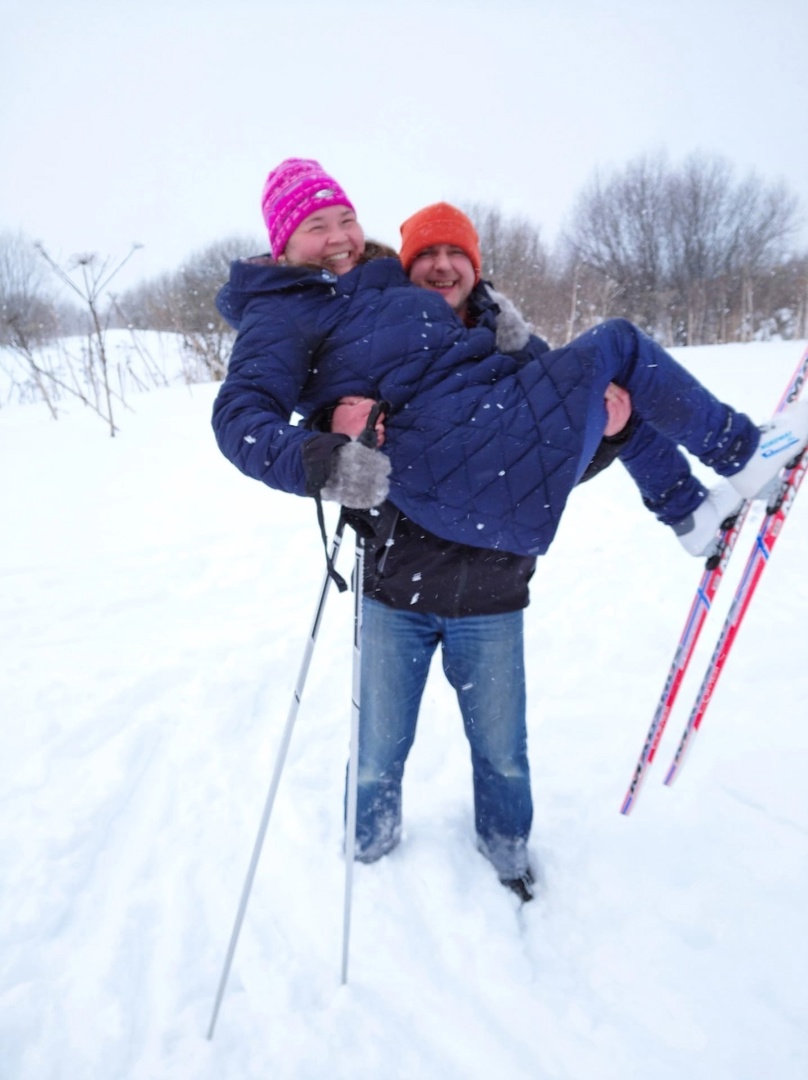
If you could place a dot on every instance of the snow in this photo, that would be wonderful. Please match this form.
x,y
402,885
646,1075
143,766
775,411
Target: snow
x,y
154,611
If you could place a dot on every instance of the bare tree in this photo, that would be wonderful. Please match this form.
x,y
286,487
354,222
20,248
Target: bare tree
x,y
28,316
89,277
584,297
726,237
620,229
781,300
515,259
26,304
183,302
687,248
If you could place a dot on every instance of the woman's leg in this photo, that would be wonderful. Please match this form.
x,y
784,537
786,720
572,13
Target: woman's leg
x,y
666,396
662,474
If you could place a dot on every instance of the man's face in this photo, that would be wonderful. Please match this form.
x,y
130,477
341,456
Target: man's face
x,y
446,270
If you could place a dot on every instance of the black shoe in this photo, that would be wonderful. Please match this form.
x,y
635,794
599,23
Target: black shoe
x,y
522,885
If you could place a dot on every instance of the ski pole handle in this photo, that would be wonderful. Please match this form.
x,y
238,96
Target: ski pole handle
x,y
369,436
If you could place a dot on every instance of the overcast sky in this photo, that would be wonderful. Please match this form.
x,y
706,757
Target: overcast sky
x,y
156,121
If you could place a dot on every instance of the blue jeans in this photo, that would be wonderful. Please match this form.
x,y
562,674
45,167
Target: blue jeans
x,y
483,658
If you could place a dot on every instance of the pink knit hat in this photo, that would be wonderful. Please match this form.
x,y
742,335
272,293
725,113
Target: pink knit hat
x,y
296,188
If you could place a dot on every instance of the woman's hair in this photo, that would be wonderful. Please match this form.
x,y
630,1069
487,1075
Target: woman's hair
x,y
375,250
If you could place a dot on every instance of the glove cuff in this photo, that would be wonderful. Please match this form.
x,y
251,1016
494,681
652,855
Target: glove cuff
x,y
318,455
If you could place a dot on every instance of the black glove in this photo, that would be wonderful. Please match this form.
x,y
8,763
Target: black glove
x,y
609,448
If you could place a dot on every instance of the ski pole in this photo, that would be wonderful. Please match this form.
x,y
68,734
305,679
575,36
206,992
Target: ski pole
x,y
353,756
276,775
369,438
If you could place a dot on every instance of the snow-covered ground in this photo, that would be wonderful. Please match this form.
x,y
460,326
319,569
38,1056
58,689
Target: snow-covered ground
x,y
154,609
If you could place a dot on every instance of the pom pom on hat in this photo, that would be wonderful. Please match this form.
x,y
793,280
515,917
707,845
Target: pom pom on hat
x,y
440,223
296,188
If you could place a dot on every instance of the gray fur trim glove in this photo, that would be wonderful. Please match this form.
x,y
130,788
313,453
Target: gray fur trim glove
x,y
513,330
358,478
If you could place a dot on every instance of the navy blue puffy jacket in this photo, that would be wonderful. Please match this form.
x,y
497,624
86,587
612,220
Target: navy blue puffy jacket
x,y
485,448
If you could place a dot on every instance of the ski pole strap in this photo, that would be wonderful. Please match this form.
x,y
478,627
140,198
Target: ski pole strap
x,y
331,570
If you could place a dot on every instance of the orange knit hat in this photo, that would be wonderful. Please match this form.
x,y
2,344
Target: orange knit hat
x,y
440,223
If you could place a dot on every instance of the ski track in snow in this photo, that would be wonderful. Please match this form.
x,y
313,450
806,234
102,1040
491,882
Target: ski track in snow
x,y
153,613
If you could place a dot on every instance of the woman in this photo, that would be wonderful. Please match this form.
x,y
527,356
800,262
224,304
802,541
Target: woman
x,y
480,448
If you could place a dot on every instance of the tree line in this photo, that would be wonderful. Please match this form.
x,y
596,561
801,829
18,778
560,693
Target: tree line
x,y
691,253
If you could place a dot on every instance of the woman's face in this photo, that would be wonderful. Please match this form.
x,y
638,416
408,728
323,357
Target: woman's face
x,y
331,237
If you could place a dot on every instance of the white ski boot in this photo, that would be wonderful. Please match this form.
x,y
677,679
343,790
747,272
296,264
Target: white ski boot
x,y
781,440
699,532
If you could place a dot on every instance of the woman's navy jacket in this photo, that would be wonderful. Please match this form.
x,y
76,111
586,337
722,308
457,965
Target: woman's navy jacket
x,y
485,446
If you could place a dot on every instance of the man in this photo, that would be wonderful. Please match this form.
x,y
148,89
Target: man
x,y
421,591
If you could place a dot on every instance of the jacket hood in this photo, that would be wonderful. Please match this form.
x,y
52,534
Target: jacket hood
x,y
262,275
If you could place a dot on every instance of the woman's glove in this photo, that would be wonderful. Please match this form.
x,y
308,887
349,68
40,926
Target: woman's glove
x,y
609,448
358,478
